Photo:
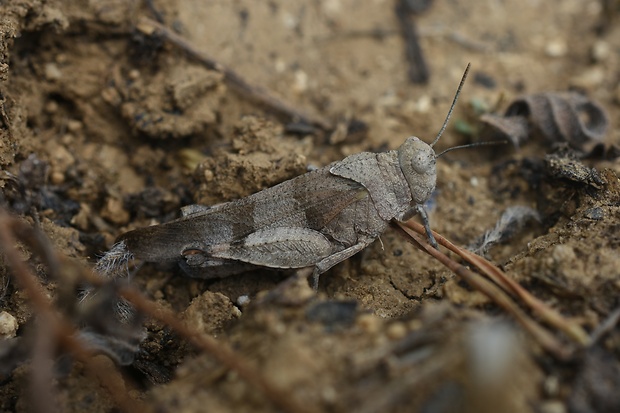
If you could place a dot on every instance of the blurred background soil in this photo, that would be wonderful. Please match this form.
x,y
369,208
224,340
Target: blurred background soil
x,y
105,127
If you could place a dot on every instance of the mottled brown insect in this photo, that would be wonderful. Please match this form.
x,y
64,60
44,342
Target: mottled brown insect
x,y
315,220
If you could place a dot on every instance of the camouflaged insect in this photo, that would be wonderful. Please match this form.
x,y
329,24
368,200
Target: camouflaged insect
x,y
315,220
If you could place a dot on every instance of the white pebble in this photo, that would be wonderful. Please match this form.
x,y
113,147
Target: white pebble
x,y
600,51
8,325
243,300
556,48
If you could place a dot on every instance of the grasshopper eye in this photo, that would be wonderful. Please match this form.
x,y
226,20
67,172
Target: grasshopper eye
x,y
423,161
416,156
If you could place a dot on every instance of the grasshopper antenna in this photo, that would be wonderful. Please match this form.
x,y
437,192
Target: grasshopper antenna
x,y
473,145
456,97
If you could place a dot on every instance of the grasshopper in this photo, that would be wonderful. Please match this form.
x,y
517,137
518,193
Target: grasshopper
x,y
315,220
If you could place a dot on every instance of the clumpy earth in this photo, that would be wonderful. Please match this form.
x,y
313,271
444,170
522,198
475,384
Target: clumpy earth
x,y
105,126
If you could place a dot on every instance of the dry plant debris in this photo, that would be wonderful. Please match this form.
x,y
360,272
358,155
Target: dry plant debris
x,y
557,117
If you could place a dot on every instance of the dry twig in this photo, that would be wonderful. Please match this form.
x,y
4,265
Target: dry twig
x,y
545,339
217,349
11,229
549,315
234,79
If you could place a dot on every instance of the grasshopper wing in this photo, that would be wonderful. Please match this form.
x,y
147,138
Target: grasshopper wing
x,y
303,209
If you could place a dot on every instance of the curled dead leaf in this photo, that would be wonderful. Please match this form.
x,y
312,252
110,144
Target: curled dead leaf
x,y
559,117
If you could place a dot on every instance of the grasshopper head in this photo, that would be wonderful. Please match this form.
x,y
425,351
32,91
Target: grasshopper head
x,y
417,158
417,161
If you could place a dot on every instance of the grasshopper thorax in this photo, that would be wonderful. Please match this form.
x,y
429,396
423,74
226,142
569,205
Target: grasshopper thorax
x,y
417,162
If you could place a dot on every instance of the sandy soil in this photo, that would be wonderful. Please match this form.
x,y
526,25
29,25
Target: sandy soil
x,y
107,127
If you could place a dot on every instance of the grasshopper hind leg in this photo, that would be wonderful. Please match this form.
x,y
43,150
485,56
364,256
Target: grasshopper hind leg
x,y
328,262
198,264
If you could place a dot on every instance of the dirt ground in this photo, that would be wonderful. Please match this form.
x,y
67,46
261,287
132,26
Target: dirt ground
x,y
107,126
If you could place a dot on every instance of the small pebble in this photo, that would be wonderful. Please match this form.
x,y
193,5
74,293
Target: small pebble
x,y
590,78
551,386
280,66
331,8
396,331
57,178
52,72
67,139
556,48
81,219
415,324
61,58
111,96
61,158
423,105
51,107
301,81
552,406
8,325
208,175
600,51
595,213
74,125
115,212
370,323
243,300
563,253
134,74
289,20
389,99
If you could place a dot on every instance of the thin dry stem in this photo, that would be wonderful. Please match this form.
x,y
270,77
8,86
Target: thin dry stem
x,y
61,330
234,79
606,326
41,385
217,349
544,338
548,314
66,333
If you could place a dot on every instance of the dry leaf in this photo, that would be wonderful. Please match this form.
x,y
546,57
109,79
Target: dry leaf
x,y
559,117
